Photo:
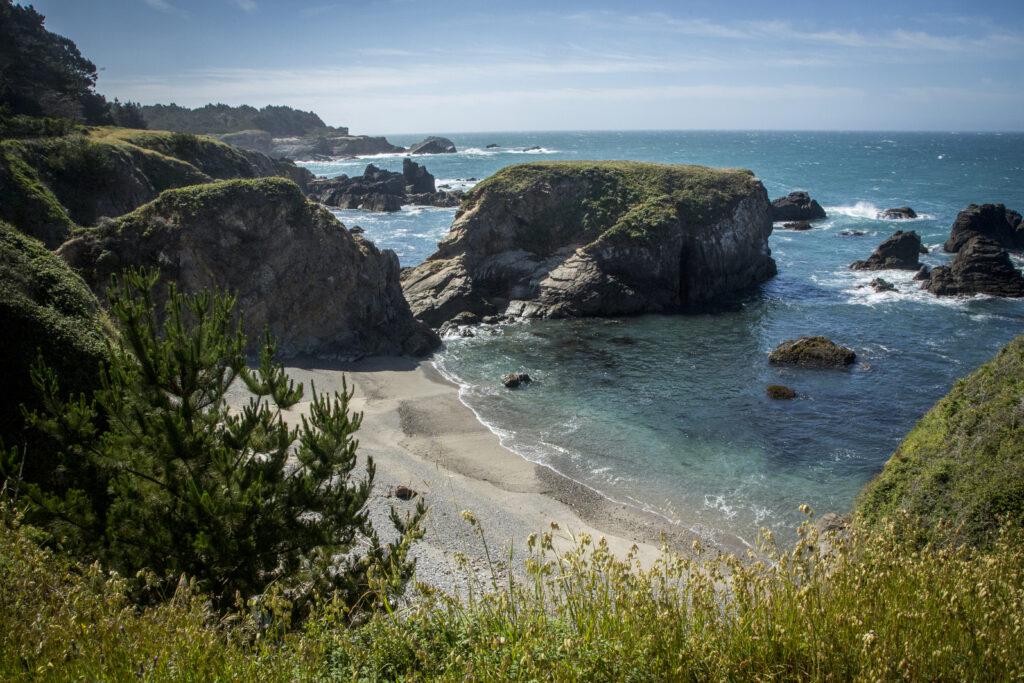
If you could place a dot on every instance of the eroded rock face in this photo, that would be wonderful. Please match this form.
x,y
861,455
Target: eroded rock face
x,y
994,221
574,239
981,266
296,270
897,252
812,352
796,206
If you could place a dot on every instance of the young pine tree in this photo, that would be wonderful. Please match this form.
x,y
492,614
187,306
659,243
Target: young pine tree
x,y
239,500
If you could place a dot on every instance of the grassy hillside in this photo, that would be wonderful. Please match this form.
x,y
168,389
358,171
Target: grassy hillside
x,y
50,185
963,462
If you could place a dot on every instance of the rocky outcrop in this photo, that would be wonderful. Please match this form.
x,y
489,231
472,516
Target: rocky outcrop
x,y
296,270
380,190
573,239
50,186
901,213
994,221
981,266
880,285
796,206
778,392
898,252
812,352
330,146
433,145
797,225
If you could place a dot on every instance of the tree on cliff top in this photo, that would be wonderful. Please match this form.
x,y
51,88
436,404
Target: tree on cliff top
x,y
42,73
236,499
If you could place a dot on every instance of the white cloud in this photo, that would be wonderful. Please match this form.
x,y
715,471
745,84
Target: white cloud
x,y
244,5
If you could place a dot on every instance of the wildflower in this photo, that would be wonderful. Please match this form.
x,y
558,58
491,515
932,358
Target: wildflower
x,y
469,517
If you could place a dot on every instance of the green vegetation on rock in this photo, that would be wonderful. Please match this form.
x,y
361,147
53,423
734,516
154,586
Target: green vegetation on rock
x,y
963,463
46,311
216,119
626,201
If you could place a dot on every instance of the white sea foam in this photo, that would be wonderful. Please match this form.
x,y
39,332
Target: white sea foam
x,y
872,212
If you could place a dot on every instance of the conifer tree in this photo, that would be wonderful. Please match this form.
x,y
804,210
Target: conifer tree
x,y
239,500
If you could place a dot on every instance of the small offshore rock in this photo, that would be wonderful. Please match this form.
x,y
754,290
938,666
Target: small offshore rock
x,y
897,252
356,230
405,493
532,149
492,146
922,274
880,285
513,380
897,214
852,233
433,145
779,392
492,319
796,206
812,352
797,225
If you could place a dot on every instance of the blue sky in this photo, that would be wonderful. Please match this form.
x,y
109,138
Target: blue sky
x,y
408,66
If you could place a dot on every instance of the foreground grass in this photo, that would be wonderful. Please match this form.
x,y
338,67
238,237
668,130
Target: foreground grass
x,y
872,609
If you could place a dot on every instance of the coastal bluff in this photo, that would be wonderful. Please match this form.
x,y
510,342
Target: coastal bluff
x,y
297,272
596,238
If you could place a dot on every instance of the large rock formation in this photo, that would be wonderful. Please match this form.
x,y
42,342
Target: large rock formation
x,y
897,252
49,186
433,145
566,239
994,221
981,266
380,190
296,270
796,206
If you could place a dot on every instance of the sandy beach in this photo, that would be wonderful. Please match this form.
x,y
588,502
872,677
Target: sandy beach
x,y
420,435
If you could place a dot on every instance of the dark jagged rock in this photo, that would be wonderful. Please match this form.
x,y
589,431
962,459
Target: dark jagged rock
x,y
880,285
897,252
922,273
796,206
797,225
981,266
417,178
994,221
516,379
812,352
533,149
897,214
433,145
492,146
297,272
576,239
852,233
779,392
380,190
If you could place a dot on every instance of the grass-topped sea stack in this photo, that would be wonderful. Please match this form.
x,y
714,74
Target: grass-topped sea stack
x,y
594,238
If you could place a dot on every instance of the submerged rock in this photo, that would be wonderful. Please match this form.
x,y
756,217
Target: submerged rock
x,y
797,225
898,252
575,239
297,272
982,266
993,221
796,206
880,285
779,392
812,352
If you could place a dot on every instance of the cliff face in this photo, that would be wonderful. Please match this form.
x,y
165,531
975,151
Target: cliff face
x,y
50,185
963,462
295,269
566,239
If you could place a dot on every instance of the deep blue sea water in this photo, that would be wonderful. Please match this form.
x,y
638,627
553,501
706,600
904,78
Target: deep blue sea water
x,y
669,413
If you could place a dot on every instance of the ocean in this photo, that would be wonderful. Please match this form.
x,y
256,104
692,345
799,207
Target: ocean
x,y
668,413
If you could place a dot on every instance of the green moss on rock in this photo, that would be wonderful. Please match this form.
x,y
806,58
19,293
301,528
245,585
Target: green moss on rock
x,y
812,352
963,462
625,201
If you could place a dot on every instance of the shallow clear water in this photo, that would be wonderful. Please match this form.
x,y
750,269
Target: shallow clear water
x,y
668,413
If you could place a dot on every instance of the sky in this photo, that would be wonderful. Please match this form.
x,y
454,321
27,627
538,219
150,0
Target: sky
x,y
410,66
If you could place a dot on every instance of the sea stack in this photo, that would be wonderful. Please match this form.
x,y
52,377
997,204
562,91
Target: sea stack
x,y
588,238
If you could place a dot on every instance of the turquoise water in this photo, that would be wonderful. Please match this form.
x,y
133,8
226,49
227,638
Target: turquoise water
x,y
668,413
